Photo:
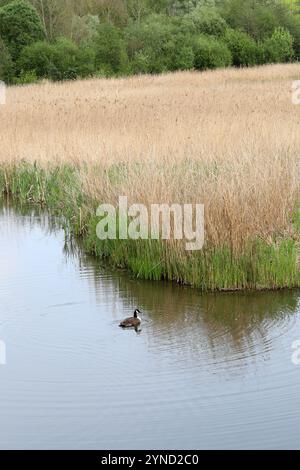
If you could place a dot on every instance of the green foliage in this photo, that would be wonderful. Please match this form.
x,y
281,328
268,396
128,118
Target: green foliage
x,y
257,17
292,24
26,78
245,51
110,51
211,53
66,39
37,57
20,26
183,56
69,61
149,43
205,20
157,45
279,47
62,60
84,28
6,64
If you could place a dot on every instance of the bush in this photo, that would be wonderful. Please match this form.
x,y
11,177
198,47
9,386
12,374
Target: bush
x,y
211,53
180,57
26,78
70,61
37,57
183,56
148,45
6,64
110,51
279,47
293,26
140,63
157,45
62,60
245,51
20,26
205,20
256,17
84,28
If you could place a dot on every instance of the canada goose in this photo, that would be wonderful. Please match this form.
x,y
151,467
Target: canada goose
x,y
132,322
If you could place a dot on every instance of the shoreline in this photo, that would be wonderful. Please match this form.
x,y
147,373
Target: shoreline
x,y
260,266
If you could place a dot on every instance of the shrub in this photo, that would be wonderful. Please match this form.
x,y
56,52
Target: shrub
x,y
211,53
6,64
292,24
153,41
37,57
245,51
70,61
180,57
110,51
84,28
140,63
25,78
85,60
157,45
62,60
20,26
279,47
183,57
205,20
255,17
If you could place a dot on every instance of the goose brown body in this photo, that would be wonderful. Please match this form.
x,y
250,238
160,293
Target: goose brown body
x,y
131,322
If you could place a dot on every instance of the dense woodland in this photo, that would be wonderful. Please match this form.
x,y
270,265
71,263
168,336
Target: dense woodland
x,y
68,39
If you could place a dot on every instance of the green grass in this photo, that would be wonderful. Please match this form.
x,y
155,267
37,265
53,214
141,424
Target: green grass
x,y
260,266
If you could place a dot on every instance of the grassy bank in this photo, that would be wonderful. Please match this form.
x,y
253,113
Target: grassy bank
x,y
260,265
227,139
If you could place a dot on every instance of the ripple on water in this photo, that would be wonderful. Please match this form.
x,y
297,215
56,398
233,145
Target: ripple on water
x,y
206,371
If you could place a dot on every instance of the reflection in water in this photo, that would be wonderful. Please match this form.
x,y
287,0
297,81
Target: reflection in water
x,y
204,371
225,327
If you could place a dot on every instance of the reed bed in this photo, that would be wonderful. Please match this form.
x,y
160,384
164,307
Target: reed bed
x,y
228,139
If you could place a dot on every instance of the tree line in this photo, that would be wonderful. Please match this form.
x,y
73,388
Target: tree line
x,y
68,39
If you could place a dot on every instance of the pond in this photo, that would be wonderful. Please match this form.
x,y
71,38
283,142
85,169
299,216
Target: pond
x,y
206,371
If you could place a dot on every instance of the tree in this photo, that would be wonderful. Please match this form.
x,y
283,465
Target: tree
x,y
205,20
37,57
136,9
245,51
84,28
279,47
153,40
258,18
211,53
111,11
56,16
20,26
61,60
110,49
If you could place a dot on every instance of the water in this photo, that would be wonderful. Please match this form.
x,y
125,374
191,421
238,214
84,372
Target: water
x,y
206,371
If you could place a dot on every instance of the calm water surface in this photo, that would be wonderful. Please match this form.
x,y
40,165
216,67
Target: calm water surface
x,y
206,371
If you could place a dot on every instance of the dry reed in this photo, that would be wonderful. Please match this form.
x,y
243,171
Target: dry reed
x,y
227,138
